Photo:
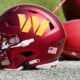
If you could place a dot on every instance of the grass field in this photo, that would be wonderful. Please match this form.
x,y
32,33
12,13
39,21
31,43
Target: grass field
x,y
49,4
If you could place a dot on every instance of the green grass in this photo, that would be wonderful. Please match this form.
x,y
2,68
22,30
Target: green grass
x,y
49,4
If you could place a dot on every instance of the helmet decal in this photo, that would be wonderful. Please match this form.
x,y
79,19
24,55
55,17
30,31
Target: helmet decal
x,y
25,25
42,27
22,19
35,22
52,50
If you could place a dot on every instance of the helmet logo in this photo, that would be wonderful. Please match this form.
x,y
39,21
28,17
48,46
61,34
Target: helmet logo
x,y
39,27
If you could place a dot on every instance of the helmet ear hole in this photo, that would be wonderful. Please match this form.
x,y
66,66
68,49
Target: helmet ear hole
x,y
51,26
28,53
32,11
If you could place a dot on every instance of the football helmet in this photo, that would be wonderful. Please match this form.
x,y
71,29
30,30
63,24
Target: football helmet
x,y
31,37
71,9
72,43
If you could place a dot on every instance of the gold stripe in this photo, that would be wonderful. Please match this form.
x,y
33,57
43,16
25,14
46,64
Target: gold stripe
x,y
35,22
27,26
42,27
22,20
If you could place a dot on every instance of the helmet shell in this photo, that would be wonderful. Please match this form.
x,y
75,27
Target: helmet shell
x,y
33,22
72,43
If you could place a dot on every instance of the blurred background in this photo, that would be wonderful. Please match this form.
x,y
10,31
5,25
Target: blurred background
x,y
49,4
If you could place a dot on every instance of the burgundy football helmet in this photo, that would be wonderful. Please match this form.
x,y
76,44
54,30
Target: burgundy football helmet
x,y
72,43
31,37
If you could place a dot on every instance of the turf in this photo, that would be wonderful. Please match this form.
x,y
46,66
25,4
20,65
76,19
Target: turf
x,y
66,70
49,4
